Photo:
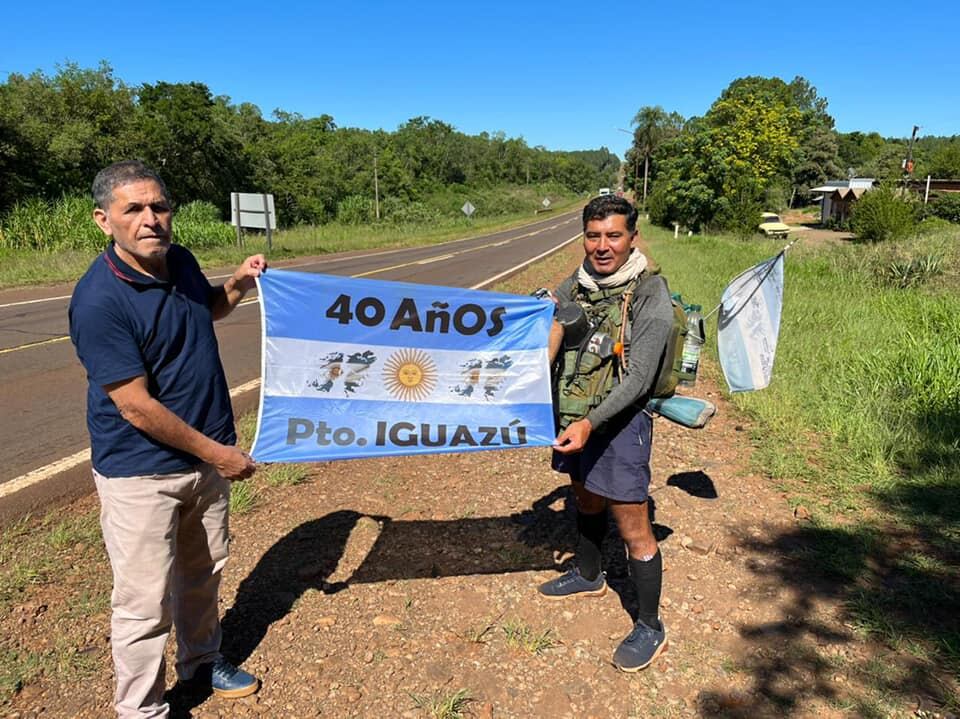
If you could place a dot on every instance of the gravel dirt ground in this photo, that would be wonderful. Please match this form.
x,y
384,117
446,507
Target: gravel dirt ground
x,y
405,587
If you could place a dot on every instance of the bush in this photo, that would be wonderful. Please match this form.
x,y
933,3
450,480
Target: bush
x,y
67,224
883,214
740,208
777,196
203,234
36,224
198,211
400,212
935,226
356,210
197,225
946,207
835,223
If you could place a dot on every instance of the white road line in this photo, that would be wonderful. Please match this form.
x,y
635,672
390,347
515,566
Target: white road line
x,y
33,302
377,271
323,261
31,345
524,264
62,465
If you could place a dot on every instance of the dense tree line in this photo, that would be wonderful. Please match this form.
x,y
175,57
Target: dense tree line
x,y
764,143
56,132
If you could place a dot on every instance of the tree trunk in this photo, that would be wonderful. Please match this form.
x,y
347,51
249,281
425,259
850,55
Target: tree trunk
x,y
646,169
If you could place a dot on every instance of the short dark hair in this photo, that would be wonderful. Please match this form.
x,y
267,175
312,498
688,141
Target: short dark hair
x,y
600,208
122,173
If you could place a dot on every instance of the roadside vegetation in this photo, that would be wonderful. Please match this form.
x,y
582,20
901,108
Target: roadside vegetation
x,y
46,242
860,427
335,187
763,145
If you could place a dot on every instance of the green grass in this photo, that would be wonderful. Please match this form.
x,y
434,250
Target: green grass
x,y
480,633
443,706
285,475
20,667
521,635
46,254
861,423
244,497
66,533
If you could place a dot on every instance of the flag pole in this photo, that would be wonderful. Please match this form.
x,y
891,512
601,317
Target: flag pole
x,y
772,262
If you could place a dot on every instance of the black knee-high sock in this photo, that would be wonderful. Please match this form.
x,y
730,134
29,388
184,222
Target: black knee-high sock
x,y
648,579
591,528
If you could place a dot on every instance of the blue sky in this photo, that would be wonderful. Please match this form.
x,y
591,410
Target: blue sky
x,y
560,74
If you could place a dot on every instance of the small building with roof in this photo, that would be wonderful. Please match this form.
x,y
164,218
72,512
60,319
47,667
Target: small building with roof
x,y
839,196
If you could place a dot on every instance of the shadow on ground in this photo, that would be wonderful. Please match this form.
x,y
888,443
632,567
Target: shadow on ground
x,y
345,547
897,579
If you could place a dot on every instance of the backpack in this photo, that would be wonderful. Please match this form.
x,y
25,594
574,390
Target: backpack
x,y
586,373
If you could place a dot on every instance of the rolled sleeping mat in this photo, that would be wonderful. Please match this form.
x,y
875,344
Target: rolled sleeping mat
x,y
691,412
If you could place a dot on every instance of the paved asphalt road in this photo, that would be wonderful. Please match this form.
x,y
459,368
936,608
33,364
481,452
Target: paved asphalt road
x,y
43,387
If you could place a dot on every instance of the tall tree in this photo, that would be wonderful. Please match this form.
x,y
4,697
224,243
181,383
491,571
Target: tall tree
x,y
818,157
56,132
184,136
654,126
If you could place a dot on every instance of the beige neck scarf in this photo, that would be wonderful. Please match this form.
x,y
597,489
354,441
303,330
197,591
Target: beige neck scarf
x,y
592,281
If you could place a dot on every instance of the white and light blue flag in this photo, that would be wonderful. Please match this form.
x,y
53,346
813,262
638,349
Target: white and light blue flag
x,y
362,368
749,325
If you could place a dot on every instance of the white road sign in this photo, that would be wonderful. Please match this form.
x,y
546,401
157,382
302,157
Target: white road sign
x,y
248,209
468,209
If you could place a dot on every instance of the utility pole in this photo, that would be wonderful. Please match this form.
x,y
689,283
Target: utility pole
x,y
636,169
908,163
376,186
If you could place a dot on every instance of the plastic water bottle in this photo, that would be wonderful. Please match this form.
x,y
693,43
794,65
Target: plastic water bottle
x,y
692,344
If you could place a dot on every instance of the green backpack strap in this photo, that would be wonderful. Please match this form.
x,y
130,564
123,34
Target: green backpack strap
x,y
668,374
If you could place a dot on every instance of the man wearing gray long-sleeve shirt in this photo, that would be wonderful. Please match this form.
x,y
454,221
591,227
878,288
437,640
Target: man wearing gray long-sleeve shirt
x,y
607,451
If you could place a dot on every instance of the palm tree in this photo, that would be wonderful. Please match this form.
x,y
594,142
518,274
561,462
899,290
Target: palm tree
x,y
654,125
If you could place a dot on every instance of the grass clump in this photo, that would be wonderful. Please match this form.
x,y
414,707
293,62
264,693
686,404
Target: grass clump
x,y
285,475
480,633
443,706
244,497
521,635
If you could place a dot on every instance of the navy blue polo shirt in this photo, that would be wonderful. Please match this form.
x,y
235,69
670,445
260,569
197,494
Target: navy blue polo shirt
x,y
125,324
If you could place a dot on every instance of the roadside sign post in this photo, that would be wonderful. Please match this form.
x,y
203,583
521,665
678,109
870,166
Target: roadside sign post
x,y
235,212
468,209
546,203
253,209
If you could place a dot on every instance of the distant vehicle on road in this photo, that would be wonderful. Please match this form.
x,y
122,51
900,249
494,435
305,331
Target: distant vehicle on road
x,y
604,191
771,226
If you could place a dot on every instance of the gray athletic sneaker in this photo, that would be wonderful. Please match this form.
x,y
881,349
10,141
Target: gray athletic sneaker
x,y
640,648
573,584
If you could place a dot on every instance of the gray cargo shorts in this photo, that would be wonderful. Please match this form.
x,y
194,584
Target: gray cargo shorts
x,y
614,463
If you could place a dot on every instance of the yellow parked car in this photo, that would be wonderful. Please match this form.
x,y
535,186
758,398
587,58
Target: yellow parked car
x,y
771,226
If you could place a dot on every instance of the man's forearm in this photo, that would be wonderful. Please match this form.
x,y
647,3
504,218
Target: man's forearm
x,y
227,296
153,418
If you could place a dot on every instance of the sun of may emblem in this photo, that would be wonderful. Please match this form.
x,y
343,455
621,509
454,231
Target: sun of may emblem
x,y
410,374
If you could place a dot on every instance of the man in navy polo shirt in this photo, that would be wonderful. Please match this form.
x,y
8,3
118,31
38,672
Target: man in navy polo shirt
x,y
162,438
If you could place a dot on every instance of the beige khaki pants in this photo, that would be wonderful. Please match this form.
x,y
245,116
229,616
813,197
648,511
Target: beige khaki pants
x,y
167,538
